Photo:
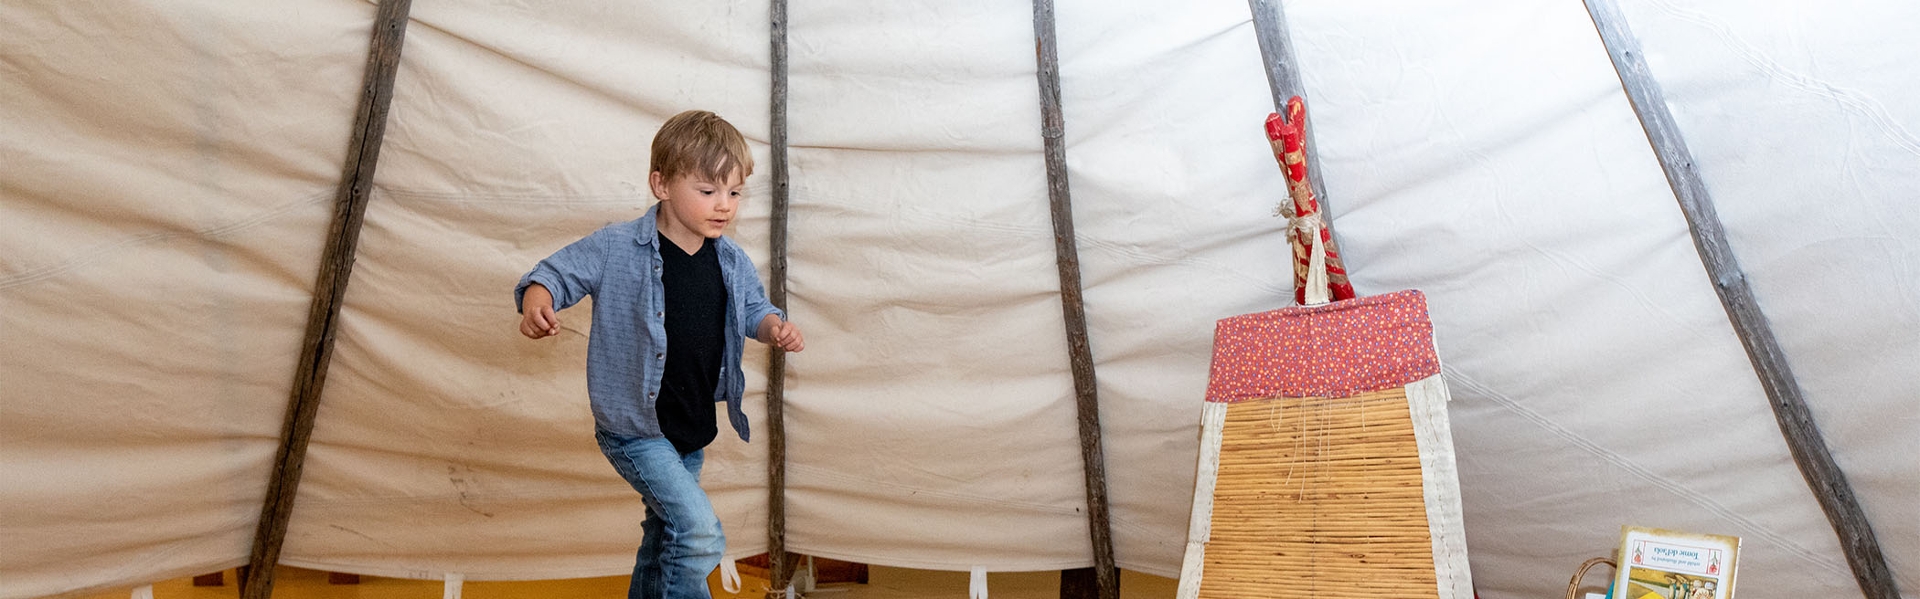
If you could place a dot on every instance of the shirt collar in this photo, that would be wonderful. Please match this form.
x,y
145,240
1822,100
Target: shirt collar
x,y
649,231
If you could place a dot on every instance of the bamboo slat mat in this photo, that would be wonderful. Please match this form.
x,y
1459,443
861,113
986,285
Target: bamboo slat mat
x,y
1321,498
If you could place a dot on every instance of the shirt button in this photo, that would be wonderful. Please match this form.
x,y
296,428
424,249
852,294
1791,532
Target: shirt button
x,y
659,356
650,395
659,314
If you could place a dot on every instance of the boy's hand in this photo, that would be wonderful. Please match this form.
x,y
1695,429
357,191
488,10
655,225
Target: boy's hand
x,y
537,318
783,334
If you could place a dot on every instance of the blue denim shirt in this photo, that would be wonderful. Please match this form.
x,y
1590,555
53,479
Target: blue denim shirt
x,y
619,266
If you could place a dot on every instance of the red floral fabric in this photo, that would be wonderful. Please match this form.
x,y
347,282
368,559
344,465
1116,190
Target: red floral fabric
x,y
1332,350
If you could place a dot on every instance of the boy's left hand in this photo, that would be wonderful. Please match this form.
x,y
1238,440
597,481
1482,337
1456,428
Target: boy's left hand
x,y
783,334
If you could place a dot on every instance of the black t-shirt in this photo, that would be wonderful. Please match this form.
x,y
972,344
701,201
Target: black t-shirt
x,y
696,298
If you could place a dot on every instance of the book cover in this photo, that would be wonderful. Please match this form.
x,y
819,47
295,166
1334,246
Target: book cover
x,y
1665,564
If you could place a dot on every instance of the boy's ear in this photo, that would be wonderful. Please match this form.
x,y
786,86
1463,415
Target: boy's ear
x,y
659,184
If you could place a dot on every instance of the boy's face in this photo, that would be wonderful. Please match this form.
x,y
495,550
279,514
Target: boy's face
x,y
691,203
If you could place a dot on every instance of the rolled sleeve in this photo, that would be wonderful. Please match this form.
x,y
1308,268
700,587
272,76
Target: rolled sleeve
x,y
757,307
760,313
569,274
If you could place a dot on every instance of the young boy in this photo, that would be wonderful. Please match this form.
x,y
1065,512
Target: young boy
x,y
672,300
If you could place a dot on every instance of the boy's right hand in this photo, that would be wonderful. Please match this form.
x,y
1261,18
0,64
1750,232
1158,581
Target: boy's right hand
x,y
537,318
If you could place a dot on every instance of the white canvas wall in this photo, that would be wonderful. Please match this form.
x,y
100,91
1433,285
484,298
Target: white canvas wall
x,y
165,176
168,170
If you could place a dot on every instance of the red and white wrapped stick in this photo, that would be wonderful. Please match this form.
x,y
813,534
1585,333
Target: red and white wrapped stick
x,y
1318,274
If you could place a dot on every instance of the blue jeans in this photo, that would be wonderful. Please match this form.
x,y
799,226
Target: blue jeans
x,y
682,540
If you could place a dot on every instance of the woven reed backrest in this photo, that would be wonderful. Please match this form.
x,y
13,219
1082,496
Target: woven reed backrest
x,y
1319,497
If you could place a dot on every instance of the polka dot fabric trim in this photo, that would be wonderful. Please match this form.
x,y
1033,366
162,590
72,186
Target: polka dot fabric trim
x,y
1333,350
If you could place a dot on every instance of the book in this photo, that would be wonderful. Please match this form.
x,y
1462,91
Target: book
x,y
1665,564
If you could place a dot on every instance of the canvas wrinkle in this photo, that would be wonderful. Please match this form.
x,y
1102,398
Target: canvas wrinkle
x,y
615,96
919,148
1144,258
1858,102
1678,490
100,252
1617,282
572,492
859,483
462,197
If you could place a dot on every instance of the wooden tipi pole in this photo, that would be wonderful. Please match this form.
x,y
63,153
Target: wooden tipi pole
x,y
1809,449
1283,76
1053,134
1284,82
336,267
780,568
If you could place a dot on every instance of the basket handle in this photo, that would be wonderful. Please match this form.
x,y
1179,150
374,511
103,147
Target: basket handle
x,y
1573,586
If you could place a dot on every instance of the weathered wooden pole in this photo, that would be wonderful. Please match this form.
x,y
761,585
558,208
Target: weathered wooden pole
x,y
336,267
1283,78
1284,82
779,567
1053,135
1809,449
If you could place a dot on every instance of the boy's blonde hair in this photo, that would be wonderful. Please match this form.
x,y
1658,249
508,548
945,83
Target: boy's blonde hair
x,y
699,142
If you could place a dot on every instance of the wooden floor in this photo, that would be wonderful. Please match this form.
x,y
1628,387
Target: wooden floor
x,y
884,583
